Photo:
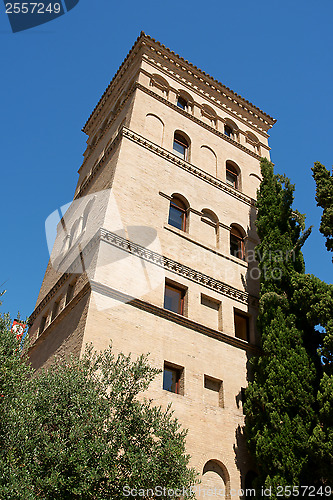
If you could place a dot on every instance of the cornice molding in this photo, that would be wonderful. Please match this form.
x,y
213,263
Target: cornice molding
x,y
173,317
221,135
98,165
48,297
178,62
61,281
189,167
108,126
119,73
177,268
200,92
152,257
205,78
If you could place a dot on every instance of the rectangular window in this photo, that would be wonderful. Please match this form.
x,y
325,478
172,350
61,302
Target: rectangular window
x,y
173,378
179,149
231,179
174,299
177,217
214,391
241,326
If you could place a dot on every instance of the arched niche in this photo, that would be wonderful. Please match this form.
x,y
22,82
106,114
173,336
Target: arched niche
x,y
253,141
255,182
209,231
154,128
160,85
208,160
215,476
208,115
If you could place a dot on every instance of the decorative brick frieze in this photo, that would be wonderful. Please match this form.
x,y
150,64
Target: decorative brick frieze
x,y
176,267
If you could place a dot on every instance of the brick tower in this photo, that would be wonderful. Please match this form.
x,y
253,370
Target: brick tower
x,y
156,250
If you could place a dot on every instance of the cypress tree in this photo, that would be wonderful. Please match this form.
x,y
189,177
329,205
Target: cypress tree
x,y
280,403
320,307
324,199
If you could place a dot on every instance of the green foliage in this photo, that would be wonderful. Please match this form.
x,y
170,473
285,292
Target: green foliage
x,y
324,199
284,426
80,430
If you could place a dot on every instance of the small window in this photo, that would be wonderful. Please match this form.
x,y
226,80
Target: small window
x,y
237,243
42,325
214,393
55,310
70,293
173,378
241,326
86,213
180,146
174,299
231,176
228,131
177,214
182,103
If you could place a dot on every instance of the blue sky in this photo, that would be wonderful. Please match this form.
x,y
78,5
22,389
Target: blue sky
x,y
276,54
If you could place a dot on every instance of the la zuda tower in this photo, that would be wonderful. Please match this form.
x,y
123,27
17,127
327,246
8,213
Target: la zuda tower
x,y
152,254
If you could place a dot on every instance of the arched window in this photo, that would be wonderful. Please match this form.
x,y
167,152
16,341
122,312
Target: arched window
x,y
182,103
232,175
184,100
231,129
178,213
74,232
237,248
228,131
86,213
180,146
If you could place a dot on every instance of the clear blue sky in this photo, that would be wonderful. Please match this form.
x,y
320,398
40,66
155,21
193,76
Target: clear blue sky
x,y
277,54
